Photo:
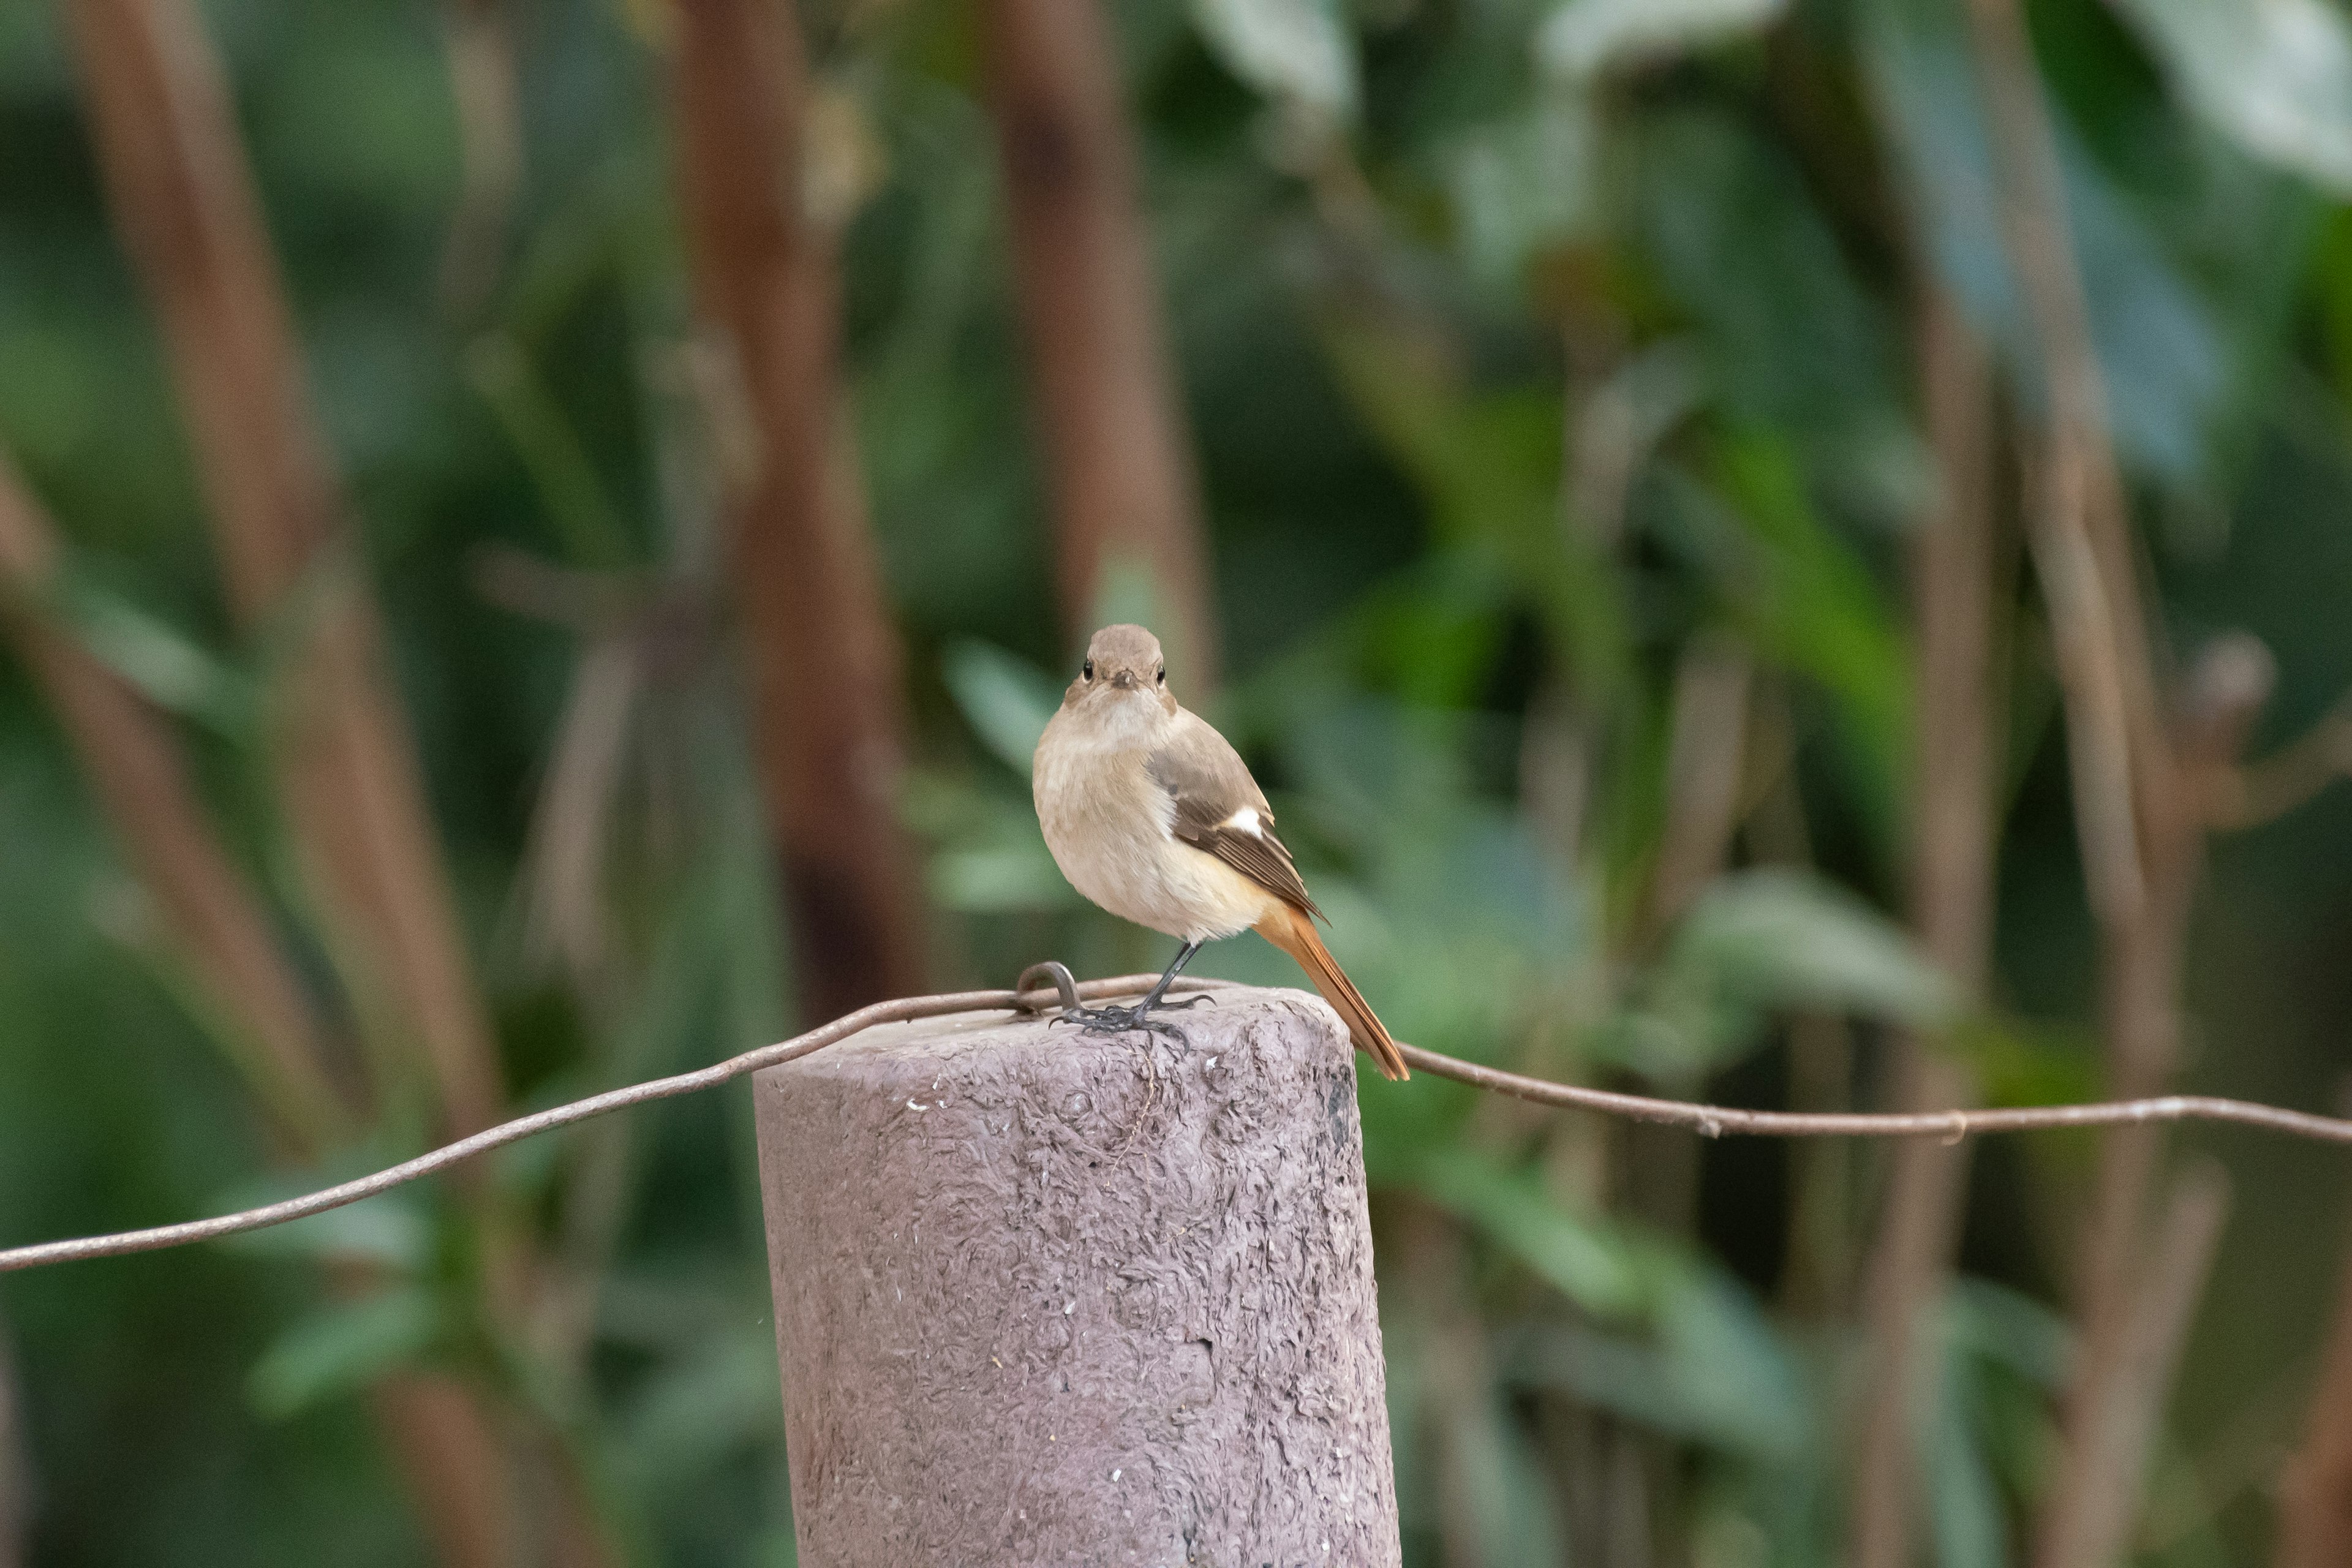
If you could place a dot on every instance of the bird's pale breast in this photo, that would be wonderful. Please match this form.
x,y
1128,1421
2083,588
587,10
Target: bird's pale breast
x,y
1109,825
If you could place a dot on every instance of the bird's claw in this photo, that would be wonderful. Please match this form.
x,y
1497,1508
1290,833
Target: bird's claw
x,y
1120,1021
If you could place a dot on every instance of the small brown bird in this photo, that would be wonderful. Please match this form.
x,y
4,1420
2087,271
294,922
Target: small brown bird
x,y
1153,814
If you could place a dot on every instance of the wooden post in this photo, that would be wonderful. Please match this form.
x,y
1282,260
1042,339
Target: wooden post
x,y
1050,1298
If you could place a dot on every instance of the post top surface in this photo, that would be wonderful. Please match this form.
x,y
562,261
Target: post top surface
x,y
930,1039
1047,1297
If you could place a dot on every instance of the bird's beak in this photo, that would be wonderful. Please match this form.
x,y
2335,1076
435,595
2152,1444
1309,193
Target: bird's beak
x,y
1124,681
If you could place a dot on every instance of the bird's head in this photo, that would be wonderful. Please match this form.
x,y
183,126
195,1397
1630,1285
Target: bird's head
x,y
1122,683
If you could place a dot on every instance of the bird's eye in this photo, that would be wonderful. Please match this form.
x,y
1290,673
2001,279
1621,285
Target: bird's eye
x,y
1163,675
1088,670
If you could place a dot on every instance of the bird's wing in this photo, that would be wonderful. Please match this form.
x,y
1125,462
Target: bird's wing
x,y
1221,811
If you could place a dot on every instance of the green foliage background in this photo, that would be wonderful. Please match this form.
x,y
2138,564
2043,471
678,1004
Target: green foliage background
x,y
1374,224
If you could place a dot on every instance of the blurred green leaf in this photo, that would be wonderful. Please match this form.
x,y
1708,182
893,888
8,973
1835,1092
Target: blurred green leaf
x,y
1963,1502
2020,1063
1711,1369
1295,49
1730,1368
1990,1426
1803,597
1525,183
988,855
167,667
1585,1261
1817,605
341,1347
1584,37
697,1410
1492,1470
2010,1329
1489,465
1776,940
1006,699
1739,245
570,492
1000,879
2274,75
389,1230
2155,339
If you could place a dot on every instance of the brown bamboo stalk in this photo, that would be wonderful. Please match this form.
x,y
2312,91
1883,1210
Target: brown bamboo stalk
x,y
217,922
444,1442
1952,850
211,914
349,781
828,712
1124,491
2314,1497
183,199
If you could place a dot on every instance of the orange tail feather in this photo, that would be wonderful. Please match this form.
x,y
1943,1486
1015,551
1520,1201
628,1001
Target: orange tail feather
x,y
1292,931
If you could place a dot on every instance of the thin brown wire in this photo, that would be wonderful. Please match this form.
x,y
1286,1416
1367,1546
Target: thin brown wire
x,y
1708,1121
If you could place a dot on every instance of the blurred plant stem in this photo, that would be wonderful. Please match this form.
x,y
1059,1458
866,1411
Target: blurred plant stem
x,y
445,1444
1706,752
1457,1384
2140,786
594,535
1108,416
2097,1490
1956,604
214,919
1821,1247
2314,1494
439,1431
349,779
828,714
183,200
479,48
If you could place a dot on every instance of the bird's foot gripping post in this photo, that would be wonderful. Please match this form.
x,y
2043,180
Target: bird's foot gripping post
x,y
1127,1020
1037,1308
1115,1020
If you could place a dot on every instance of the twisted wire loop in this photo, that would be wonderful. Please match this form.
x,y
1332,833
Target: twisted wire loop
x,y
1047,985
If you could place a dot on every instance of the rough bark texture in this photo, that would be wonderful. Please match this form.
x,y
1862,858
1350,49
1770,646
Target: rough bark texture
x,y
1035,1304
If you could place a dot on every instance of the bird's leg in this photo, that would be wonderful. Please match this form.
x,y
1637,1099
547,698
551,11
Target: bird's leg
x,y
1151,998
1117,1020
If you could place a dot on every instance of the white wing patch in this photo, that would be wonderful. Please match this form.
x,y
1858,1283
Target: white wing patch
x,y
1245,821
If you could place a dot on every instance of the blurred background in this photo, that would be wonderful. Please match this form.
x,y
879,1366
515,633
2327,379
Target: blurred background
x,y
1796,552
